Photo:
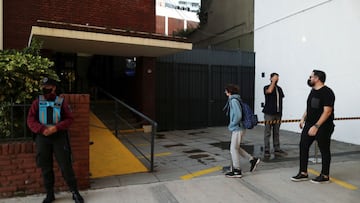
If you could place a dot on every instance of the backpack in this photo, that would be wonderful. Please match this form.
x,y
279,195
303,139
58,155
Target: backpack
x,y
249,119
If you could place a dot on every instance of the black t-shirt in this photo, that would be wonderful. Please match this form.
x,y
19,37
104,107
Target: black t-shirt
x,y
272,104
315,105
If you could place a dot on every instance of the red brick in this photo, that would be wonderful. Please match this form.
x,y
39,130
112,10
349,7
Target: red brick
x,y
3,177
125,14
5,173
84,99
11,148
4,162
17,148
7,189
5,149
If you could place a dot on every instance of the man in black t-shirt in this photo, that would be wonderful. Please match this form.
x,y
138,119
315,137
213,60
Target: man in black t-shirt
x,y
272,112
319,126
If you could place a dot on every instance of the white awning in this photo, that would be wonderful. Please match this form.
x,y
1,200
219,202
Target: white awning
x,y
74,38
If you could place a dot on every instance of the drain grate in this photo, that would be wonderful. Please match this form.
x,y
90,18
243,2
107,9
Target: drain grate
x,y
196,133
174,145
193,151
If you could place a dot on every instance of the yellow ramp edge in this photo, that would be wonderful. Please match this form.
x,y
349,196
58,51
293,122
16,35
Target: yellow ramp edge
x,y
337,181
200,173
108,156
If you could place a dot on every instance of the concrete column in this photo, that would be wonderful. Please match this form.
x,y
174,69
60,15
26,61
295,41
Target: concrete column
x,y
166,25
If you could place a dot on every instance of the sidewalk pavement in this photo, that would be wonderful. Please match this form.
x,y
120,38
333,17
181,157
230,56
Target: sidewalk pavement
x,y
188,168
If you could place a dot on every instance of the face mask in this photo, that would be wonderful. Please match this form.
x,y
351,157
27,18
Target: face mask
x,y
309,83
46,91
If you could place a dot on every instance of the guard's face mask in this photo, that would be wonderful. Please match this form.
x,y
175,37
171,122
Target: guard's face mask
x,y
46,91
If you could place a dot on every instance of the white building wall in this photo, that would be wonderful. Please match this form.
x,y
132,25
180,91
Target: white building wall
x,y
177,14
294,37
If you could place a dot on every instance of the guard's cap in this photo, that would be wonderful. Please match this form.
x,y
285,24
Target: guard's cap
x,y
48,81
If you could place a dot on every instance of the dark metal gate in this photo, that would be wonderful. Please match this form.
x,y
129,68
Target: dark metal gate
x,y
190,86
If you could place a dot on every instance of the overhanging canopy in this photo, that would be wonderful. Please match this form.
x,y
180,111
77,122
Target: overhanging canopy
x,y
75,38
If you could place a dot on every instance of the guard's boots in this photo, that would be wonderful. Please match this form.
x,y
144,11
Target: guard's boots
x,y
77,197
50,197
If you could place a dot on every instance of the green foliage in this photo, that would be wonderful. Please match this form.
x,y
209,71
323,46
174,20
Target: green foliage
x,y
20,76
203,16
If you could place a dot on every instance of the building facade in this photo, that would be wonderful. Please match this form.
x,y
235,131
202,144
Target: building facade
x,y
226,25
102,43
293,38
174,16
91,43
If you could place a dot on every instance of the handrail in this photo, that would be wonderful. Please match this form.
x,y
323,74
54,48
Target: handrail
x,y
153,124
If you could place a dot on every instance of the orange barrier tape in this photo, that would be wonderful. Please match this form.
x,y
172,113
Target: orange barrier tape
x,y
298,120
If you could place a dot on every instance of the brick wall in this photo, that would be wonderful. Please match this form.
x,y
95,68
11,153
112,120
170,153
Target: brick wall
x,y
160,24
19,16
175,25
18,172
192,24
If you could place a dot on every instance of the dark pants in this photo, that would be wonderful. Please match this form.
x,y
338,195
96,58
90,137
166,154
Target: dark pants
x,y
275,132
323,138
58,145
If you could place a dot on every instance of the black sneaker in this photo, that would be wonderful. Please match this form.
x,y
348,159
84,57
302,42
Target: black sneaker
x,y
236,173
49,198
254,162
77,197
280,153
300,177
267,154
321,179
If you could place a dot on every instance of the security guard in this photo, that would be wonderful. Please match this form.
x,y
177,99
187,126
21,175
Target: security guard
x,y
49,118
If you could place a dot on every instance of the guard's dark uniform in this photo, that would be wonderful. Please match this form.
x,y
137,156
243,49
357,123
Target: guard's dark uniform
x,y
45,111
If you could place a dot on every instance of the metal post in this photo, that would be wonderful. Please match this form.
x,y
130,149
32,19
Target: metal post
x,y
316,160
153,132
12,105
316,152
24,117
116,119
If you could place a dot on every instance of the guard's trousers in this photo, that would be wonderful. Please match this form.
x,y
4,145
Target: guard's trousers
x,y
58,145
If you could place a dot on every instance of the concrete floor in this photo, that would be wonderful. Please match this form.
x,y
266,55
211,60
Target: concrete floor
x,y
188,168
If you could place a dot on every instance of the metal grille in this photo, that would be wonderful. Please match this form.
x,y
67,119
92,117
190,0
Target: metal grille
x,y
190,86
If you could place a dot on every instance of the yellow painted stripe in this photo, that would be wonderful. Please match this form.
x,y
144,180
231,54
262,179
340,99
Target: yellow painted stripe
x,y
200,173
337,181
162,154
131,130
